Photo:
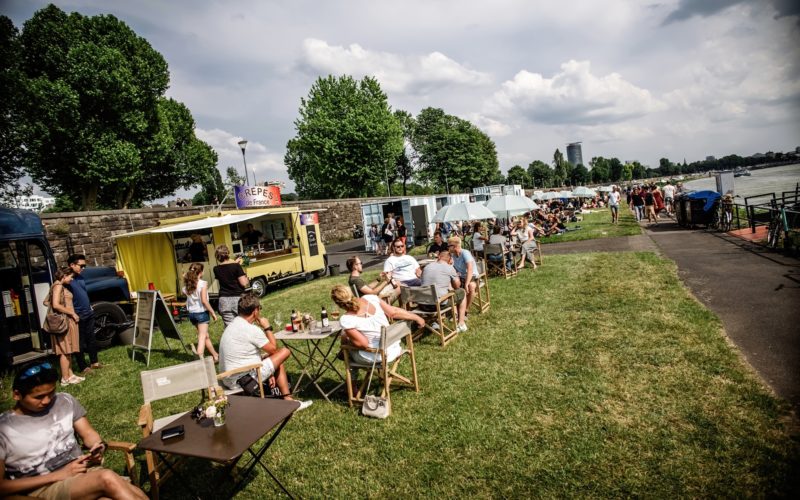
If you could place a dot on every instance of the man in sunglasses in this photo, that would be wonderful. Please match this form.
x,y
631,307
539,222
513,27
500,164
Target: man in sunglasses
x,y
83,308
401,267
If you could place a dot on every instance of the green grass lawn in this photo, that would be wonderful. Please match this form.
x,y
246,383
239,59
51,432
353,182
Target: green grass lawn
x,y
574,383
597,224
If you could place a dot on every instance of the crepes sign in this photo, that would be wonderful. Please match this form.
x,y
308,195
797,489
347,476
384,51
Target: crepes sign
x,y
257,196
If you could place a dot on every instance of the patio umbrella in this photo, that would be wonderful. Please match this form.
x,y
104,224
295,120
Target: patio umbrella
x,y
463,211
538,195
605,188
510,204
566,194
550,195
583,192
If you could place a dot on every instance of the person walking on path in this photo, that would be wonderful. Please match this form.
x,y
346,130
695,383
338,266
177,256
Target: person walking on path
x,y
637,199
83,308
613,204
232,282
650,206
68,343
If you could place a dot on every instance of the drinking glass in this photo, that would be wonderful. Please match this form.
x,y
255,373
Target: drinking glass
x,y
335,313
278,325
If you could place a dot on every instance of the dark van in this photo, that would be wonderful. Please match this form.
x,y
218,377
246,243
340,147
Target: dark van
x,y
27,267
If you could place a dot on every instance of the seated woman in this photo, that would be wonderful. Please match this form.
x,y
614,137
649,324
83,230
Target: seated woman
x,y
498,239
438,245
354,265
39,455
363,319
524,236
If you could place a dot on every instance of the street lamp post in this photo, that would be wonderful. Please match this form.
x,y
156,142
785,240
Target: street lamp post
x,y
243,144
255,182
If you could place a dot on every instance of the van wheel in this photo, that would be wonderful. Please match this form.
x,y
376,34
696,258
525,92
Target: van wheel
x,y
259,287
107,317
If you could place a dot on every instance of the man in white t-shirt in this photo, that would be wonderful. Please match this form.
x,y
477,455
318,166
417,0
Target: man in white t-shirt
x,y
613,204
669,197
403,268
249,339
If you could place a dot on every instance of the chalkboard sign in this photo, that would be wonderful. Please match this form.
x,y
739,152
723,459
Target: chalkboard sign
x,y
151,309
313,248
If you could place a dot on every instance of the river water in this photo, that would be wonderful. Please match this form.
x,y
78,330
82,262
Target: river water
x,y
763,181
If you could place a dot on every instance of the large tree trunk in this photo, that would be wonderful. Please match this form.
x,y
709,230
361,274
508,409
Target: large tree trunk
x,y
89,197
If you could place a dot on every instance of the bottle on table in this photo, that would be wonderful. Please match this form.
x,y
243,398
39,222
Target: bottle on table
x,y
295,327
323,316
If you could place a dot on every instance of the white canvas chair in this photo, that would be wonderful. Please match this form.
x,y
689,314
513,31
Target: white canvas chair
x,y
236,371
163,383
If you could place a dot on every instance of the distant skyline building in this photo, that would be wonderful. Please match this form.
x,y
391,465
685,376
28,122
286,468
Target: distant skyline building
x,y
574,154
34,202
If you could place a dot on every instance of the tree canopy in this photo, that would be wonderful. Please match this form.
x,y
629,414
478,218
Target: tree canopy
x,y
93,121
452,152
347,142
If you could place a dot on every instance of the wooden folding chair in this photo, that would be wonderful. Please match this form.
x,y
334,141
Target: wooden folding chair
x,y
164,383
236,371
386,371
497,267
481,302
439,313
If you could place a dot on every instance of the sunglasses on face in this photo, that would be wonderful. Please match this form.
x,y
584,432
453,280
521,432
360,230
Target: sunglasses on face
x,y
33,370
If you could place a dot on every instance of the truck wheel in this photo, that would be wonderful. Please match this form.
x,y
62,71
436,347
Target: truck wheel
x,y
106,318
259,286
319,273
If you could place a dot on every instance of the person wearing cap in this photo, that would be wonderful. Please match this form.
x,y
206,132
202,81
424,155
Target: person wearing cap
x,y
39,455
466,267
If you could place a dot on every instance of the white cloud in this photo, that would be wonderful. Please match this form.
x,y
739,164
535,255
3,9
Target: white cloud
x,y
267,165
574,95
493,128
395,72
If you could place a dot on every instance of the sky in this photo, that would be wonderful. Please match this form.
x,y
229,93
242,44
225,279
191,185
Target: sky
x,y
636,80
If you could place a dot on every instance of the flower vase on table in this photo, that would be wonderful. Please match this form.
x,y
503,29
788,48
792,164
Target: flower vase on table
x,y
215,407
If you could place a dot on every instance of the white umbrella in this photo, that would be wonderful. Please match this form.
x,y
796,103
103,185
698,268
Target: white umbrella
x,y
551,195
583,192
605,188
538,195
463,211
565,194
510,205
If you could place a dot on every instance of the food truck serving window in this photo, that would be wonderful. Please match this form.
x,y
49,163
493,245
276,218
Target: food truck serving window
x,y
192,246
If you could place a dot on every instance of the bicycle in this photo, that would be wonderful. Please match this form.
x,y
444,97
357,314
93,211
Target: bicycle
x,y
777,225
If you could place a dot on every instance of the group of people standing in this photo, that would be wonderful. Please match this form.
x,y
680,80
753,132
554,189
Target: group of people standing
x,y
650,201
382,237
68,296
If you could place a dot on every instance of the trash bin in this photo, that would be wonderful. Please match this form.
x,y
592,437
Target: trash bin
x,y
333,269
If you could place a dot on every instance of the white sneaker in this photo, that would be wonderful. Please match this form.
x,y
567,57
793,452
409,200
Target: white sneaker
x,y
65,382
74,379
304,404
462,327
435,325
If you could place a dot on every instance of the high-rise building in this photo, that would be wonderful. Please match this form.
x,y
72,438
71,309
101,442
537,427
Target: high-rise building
x,y
574,154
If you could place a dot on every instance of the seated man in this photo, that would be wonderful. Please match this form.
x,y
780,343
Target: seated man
x,y
438,245
354,265
465,266
248,339
443,276
403,268
497,238
39,455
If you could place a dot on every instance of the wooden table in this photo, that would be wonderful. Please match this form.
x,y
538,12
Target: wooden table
x,y
314,356
247,420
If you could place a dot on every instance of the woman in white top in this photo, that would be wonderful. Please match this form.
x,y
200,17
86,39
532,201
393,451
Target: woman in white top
x,y
524,236
196,291
363,319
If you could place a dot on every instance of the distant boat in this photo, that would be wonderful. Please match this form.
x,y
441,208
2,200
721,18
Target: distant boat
x,y
741,172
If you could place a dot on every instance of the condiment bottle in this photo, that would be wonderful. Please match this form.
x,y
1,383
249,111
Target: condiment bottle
x,y
323,316
295,328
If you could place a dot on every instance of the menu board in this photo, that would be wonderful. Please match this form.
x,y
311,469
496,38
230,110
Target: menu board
x,y
151,310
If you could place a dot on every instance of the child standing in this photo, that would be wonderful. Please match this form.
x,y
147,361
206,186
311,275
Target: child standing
x,y
196,291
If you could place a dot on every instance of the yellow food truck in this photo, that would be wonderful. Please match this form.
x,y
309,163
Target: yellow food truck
x,y
276,244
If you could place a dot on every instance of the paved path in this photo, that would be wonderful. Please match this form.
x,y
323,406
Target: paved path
x,y
756,293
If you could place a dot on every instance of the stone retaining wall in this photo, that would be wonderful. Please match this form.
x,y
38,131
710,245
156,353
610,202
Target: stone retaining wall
x,y
90,233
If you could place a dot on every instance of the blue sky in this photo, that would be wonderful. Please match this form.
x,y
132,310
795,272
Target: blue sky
x,y
636,80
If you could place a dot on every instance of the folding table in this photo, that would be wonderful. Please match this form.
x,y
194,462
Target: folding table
x,y
247,420
314,356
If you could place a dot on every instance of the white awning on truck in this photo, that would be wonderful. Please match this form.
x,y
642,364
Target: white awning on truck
x,y
203,223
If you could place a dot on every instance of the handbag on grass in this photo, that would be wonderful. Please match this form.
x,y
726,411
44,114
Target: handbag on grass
x,y
375,406
250,386
55,322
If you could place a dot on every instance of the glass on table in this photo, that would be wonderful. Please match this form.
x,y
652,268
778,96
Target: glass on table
x,y
335,313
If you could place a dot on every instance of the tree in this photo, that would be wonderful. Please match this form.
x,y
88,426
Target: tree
x,y
347,142
580,175
10,93
212,190
404,168
405,164
639,170
95,124
600,171
615,170
540,173
453,153
627,172
559,168
518,175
